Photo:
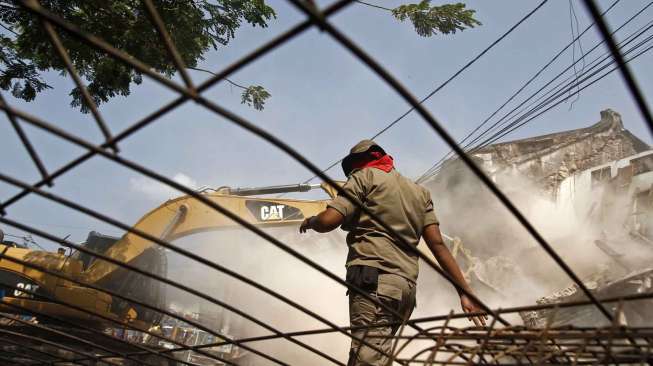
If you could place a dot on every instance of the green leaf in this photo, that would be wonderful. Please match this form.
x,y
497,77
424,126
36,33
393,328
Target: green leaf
x,y
20,78
195,27
255,96
430,20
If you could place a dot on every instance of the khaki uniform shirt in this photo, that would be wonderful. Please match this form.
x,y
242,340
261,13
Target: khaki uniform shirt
x,y
405,206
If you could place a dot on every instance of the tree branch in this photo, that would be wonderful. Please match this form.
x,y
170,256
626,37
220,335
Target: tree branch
x,y
373,5
212,73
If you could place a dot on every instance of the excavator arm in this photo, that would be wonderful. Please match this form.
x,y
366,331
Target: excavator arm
x,y
186,215
173,219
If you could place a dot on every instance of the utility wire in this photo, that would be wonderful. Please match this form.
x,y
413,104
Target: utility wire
x,y
500,134
469,135
433,170
574,18
27,239
441,86
635,35
624,69
508,131
503,132
526,84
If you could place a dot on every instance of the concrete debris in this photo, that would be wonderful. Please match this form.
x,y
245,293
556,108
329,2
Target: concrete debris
x,y
549,159
588,191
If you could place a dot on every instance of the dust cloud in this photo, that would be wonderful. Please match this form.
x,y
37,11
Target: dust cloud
x,y
262,262
507,258
279,271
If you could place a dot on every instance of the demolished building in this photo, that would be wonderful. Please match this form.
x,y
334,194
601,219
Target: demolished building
x,y
547,160
588,191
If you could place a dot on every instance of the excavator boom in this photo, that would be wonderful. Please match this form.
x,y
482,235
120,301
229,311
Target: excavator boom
x,y
173,219
186,215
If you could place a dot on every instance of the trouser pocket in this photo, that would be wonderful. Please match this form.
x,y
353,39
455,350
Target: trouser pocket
x,y
363,277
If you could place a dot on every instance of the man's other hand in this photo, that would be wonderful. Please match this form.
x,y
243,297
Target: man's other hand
x,y
306,225
470,306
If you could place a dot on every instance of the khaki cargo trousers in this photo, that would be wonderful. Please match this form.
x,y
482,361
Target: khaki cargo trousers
x,y
396,293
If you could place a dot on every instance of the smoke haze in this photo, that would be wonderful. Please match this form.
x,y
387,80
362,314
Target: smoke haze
x,y
506,257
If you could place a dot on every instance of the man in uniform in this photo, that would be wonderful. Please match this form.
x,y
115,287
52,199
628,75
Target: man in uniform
x,y
377,262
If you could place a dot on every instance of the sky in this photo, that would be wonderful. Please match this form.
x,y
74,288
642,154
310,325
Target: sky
x,y
323,101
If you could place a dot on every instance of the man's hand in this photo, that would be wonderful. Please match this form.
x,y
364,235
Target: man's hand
x,y
433,239
470,306
306,225
325,221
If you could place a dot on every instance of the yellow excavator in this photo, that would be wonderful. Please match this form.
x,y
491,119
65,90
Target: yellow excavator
x,y
26,287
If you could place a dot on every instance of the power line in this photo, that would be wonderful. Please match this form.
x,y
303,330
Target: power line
x,y
441,86
27,239
515,94
539,72
626,73
519,121
632,37
573,19
319,20
502,132
505,132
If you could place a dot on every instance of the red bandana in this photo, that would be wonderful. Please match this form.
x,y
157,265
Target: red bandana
x,y
378,160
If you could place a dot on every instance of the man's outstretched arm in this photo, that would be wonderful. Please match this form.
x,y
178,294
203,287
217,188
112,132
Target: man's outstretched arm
x,y
433,239
325,221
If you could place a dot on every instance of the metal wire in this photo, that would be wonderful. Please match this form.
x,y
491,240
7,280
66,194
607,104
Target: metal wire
x,y
86,96
176,249
30,149
559,91
82,326
160,279
488,337
55,345
33,349
572,84
435,166
112,353
236,119
119,323
446,82
526,118
451,142
246,60
627,75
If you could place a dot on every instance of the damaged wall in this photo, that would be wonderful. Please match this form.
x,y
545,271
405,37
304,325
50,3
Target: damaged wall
x,y
530,167
624,187
531,172
547,160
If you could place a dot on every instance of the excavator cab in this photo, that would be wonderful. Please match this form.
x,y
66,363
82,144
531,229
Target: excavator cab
x,y
96,242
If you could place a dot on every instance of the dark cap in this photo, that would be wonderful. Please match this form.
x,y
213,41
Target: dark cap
x,y
359,149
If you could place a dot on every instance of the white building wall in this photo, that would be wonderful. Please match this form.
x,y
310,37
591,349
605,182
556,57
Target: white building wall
x,y
576,190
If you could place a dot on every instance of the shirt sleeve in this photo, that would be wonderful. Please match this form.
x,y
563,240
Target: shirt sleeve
x,y
356,186
429,214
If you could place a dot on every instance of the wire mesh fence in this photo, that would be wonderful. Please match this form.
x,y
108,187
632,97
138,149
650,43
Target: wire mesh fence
x,y
55,339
